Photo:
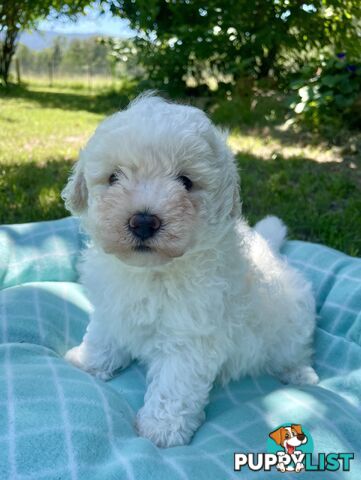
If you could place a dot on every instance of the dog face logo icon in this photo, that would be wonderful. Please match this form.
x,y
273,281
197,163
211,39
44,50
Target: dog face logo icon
x,y
290,438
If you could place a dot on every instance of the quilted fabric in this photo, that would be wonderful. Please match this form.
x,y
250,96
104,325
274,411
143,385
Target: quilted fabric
x,y
57,422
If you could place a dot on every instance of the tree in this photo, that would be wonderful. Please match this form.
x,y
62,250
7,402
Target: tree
x,y
185,38
18,15
87,55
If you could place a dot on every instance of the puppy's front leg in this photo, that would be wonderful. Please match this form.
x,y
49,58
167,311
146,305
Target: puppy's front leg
x,y
175,399
98,353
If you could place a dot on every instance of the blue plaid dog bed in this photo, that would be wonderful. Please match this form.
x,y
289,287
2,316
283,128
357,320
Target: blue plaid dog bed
x,y
59,423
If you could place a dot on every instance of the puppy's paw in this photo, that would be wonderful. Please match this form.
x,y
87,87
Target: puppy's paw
x,y
103,375
77,357
162,432
299,376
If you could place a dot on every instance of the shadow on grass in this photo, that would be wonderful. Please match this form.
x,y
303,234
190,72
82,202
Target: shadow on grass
x,y
261,111
265,113
31,192
260,117
104,102
318,201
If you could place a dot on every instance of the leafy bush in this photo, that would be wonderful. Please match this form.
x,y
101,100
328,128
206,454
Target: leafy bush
x,y
328,95
183,41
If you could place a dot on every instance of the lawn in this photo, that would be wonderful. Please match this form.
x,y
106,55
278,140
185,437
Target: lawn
x,y
312,185
41,132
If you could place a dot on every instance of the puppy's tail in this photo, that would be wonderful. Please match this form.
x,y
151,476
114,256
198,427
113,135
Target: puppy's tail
x,y
273,230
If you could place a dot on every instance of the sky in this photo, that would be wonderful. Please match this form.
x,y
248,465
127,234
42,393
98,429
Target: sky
x,y
92,22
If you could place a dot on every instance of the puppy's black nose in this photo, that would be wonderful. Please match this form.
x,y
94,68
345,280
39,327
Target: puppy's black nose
x,y
144,225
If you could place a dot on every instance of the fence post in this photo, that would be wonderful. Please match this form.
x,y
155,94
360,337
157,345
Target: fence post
x,y
90,76
17,68
50,65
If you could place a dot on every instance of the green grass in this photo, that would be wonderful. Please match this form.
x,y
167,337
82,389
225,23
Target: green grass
x,y
41,132
317,201
312,185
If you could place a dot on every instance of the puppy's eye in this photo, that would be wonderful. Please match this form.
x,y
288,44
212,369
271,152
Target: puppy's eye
x,y
113,178
187,182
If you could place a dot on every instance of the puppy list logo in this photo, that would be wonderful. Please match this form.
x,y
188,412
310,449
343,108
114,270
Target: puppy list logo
x,y
289,449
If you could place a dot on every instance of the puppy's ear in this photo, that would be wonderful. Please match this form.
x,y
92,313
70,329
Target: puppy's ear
x,y
298,428
237,206
233,181
277,435
75,193
217,139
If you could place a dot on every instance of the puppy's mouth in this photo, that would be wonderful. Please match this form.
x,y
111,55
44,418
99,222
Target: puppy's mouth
x,y
142,248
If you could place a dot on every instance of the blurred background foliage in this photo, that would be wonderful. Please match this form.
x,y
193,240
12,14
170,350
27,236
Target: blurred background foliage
x,y
234,38
193,47
19,15
329,92
93,56
308,51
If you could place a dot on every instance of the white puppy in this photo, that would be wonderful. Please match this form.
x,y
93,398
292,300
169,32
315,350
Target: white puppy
x,y
177,278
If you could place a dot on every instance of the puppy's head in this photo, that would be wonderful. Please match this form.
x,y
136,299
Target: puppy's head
x,y
289,437
154,182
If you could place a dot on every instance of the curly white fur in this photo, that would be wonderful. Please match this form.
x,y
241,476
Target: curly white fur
x,y
209,299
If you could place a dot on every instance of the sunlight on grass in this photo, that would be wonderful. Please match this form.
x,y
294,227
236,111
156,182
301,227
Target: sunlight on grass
x,y
263,144
31,132
74,83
